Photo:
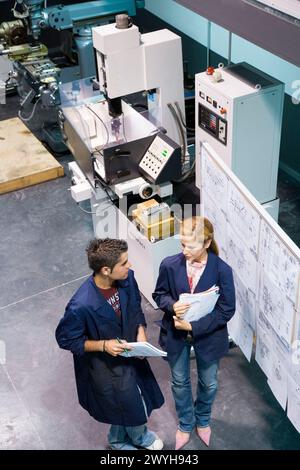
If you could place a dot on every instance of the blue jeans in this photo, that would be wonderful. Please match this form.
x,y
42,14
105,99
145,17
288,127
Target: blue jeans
x,y
127,437
192,413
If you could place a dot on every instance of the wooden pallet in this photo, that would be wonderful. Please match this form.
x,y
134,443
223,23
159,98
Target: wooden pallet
x,y
24,161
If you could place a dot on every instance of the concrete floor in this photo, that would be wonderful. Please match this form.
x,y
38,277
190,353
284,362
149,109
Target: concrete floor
x,y
43,238
289,211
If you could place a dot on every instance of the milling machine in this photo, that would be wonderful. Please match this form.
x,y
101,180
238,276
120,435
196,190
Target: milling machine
x,y
125,157
34,74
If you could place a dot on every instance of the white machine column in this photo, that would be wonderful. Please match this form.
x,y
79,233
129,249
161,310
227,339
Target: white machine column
x,y
129,62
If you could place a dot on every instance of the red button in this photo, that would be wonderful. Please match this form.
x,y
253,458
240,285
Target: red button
x,y
210,70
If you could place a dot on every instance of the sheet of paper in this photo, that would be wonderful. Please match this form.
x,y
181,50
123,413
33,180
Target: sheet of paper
x,y
279,371
234,327
294,360
293,410
243,218
277,307
143,349
263,351
245,302
242,260
214,181
246,339
201,305
217,217
296,335
281,265
294,369
242,334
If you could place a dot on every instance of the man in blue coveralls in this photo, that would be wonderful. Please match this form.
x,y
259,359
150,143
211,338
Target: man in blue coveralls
x,y
101,318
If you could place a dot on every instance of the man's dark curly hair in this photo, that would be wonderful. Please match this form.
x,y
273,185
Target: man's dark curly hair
x,y
105,252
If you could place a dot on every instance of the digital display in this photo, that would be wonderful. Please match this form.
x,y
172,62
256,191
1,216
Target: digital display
x,y
211,123
208,120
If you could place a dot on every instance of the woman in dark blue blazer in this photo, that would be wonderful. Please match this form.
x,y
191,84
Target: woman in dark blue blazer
x,y
102,316
196,269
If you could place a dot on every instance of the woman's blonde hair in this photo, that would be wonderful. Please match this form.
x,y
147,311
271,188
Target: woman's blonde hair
x,y
200,229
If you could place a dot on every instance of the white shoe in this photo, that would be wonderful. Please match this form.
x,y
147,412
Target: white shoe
x,y
156,445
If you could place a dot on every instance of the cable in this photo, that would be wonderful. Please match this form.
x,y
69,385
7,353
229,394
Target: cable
x,y
184,158
83,210
101,120
105,187
85,136
189,129
181,132
183,123
123,119
180,127
187,174
109,196
28,118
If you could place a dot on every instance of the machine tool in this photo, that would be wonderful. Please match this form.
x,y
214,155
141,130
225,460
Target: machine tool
x,y
123,156
37,75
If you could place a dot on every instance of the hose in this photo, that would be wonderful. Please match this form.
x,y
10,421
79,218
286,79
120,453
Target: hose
x,y
180,122
28,118
189,129
181,133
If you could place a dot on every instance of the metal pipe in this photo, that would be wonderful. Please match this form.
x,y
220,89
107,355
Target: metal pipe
x,y
229,48
208,43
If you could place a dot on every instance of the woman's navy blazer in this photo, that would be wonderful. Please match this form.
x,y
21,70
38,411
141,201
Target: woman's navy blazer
x,y
109,387
210,336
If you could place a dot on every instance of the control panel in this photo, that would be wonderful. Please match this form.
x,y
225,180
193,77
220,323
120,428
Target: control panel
x,y
239,114
212,123
162,161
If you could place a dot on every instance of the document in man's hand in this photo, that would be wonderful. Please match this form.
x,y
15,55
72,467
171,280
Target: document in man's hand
x,y
143,349
201,303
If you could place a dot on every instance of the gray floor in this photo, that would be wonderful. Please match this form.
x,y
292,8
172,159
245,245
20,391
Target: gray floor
x,y
43,238
289,211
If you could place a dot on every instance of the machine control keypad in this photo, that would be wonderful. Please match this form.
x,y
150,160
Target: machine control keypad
x,y
156,157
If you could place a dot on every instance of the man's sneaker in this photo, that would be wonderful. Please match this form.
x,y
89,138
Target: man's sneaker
x,y
156,445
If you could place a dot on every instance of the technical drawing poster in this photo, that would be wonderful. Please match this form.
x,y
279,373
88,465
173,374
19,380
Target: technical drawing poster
x,y
245,302
281,265
278,380
277,308
241,259
215,181
266,267
264,339
242,218
293,410
242,334
219,221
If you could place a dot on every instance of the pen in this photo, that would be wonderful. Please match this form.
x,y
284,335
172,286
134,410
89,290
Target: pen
x,y
119,341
